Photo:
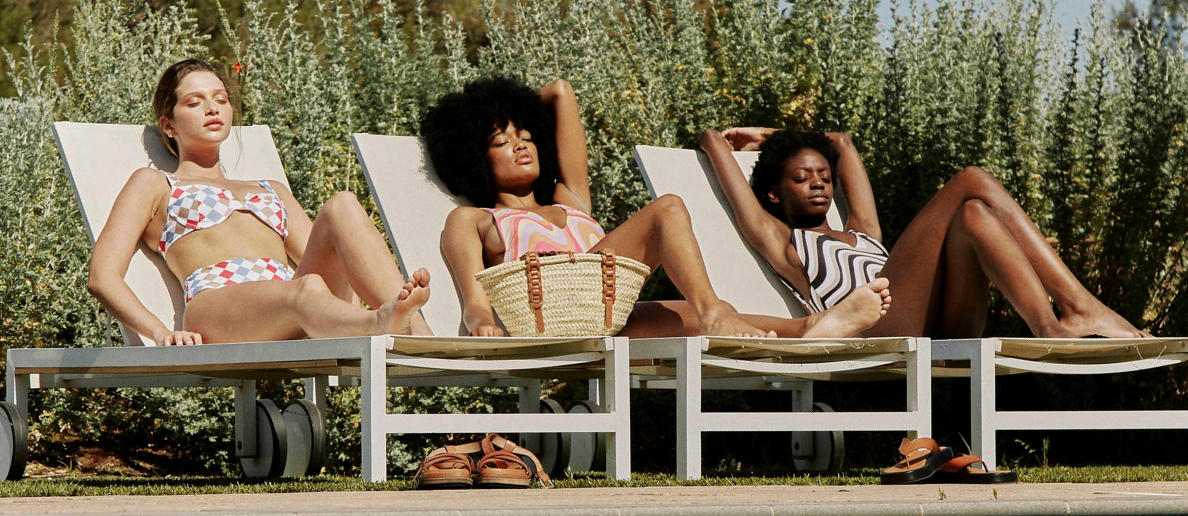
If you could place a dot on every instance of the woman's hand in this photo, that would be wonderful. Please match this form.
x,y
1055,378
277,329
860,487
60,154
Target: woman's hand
x,y
178,338
747,138
487,330
711,138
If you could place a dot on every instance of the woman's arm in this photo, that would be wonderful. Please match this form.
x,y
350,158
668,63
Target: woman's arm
x,y
851,174
462,245
299,223
573,187
130,217
763,232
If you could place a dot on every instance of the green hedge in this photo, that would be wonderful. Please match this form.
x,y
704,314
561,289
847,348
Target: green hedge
x,y
1086,129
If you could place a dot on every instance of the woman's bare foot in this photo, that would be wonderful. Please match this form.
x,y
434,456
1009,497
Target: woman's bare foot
x,y
1099,321
858,311
722,320
397,316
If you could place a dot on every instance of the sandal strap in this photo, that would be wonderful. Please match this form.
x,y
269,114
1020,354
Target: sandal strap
x,y
906,448
493,441
444,460
963,462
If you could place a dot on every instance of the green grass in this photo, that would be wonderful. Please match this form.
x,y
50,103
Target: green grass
x,y
97,486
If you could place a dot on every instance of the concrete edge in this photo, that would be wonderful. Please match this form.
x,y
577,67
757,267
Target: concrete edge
x,y
989,507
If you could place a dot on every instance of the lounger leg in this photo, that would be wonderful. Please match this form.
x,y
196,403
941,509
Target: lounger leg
x,y
618,403
18,388
595,391
316,389
688,401
919,388
982,404
245,419
803,445
530,404
373,408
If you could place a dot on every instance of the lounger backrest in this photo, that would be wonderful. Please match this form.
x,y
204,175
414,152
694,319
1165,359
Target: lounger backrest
x,y
99,160
735,270
413,204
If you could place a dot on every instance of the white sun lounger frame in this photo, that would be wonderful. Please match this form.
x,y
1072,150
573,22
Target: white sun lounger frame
x,y
99,159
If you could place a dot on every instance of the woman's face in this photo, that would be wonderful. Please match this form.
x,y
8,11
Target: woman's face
x,y
203,114
512,157
805,188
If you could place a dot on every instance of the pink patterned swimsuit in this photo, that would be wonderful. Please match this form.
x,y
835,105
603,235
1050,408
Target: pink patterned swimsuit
x,y
525,231
197,207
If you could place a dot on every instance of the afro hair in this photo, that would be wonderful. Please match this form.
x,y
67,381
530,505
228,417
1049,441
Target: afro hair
x,y
457,129
780,146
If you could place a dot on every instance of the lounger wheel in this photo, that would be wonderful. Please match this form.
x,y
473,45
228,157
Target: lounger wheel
x,y
829,447
271,443
587,450
305,431
554,447
14,444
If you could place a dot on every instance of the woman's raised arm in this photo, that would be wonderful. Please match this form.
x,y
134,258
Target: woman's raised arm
x,y
851,173
573,187
125,227
762,230
463,248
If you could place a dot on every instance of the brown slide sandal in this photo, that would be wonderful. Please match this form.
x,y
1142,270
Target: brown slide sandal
x,y
449,467
922,459
960,470
507,465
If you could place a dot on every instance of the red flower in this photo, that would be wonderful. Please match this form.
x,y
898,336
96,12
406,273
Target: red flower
x,y
238,67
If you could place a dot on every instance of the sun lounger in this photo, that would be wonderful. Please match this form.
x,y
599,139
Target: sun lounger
x,y
413,204
99,159
740,277
688,173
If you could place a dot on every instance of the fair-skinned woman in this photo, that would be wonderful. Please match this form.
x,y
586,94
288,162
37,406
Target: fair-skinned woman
x,y
253,265
970,235
520,157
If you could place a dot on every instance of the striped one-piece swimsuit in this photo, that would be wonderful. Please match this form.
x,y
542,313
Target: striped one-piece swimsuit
x,y
525,231
835,268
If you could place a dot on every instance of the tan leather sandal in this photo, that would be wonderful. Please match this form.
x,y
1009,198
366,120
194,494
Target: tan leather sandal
x,y
922,458
508,465
448,467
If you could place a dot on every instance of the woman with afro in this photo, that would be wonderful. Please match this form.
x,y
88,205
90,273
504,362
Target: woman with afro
x,y
971,234
519,155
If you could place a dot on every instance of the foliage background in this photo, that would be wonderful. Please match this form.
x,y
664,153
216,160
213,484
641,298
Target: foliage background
x,y
1086,128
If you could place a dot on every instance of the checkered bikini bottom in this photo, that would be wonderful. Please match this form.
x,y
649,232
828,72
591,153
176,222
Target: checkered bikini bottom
x,y
234,272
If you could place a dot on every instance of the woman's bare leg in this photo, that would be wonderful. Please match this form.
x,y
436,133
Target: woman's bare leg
x,y
304,307
662,234
857,312
350,255
917,267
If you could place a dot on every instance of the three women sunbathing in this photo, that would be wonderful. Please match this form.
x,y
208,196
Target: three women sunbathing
x,y
254,266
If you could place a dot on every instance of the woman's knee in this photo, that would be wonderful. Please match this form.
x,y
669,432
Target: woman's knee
x,y
343,205
312,286
976,180
670,203
972,213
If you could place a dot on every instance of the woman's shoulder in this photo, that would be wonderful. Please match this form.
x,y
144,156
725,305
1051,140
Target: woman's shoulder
x,y
464,214
148,177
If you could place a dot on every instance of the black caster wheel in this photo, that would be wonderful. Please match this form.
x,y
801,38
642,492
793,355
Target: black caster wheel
x,y
305,431
829,447
554,447
14,444
588,449
271,443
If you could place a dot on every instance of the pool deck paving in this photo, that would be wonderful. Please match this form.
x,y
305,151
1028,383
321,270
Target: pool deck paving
x,y
1108,498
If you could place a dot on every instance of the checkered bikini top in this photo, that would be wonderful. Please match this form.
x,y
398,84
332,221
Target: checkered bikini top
x,y
524,231
196,207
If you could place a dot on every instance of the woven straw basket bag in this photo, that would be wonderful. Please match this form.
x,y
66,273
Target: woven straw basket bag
x,y
564,294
